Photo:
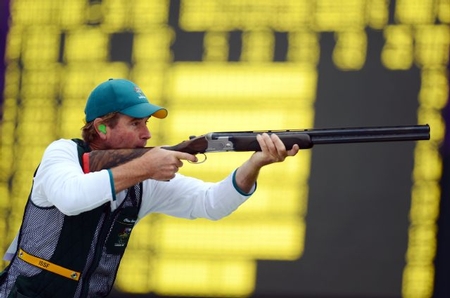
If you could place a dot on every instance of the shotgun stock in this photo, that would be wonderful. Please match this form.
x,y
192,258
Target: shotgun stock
x,y
246,141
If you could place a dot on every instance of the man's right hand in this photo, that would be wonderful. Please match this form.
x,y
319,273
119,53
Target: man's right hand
x,y
163,164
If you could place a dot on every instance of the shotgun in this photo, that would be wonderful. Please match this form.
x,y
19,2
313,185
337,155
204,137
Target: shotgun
x,y
246,141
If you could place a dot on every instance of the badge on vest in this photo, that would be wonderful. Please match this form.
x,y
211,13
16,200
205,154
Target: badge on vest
x,y
120,232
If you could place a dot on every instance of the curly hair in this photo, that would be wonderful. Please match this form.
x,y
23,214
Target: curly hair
x,y
88,131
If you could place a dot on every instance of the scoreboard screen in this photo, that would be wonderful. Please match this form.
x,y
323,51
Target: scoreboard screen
x,y
347,220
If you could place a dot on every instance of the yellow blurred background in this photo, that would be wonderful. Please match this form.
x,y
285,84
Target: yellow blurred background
x,y
58,51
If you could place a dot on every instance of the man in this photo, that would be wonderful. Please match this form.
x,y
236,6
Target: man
x,y
76,226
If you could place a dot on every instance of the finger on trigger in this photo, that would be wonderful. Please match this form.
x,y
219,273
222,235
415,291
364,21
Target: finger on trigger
x,y
187,156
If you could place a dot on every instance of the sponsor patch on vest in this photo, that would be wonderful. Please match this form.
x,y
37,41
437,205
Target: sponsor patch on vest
x,y
121,231
122,238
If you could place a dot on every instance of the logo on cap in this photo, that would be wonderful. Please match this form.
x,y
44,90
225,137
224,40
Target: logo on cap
x,y
139,92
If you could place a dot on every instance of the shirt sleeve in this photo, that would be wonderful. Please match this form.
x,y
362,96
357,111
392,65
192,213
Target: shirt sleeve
x,y
60,181
188,197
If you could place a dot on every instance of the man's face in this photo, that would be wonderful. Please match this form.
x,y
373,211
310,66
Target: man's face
x,y
128,133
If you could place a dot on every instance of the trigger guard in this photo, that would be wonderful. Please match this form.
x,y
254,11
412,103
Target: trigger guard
x,y
199,162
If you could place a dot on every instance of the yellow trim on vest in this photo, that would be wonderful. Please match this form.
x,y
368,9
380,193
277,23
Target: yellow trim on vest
x,y
46,265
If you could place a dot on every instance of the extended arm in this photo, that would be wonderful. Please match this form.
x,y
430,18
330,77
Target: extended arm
x,y
273,150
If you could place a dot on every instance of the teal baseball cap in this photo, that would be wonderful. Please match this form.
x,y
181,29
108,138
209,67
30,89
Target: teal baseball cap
x,y
123,96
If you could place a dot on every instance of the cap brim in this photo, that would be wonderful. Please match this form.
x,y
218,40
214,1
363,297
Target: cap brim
x,y
161,113
143,110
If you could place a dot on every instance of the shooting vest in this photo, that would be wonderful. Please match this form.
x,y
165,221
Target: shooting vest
x,y
70,256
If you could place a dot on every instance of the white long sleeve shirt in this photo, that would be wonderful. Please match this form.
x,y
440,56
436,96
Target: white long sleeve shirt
x,y
60,182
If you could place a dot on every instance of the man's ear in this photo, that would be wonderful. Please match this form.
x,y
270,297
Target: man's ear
x,y
100,128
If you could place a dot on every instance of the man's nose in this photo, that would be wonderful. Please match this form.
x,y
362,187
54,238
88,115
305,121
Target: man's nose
x,y
146,133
